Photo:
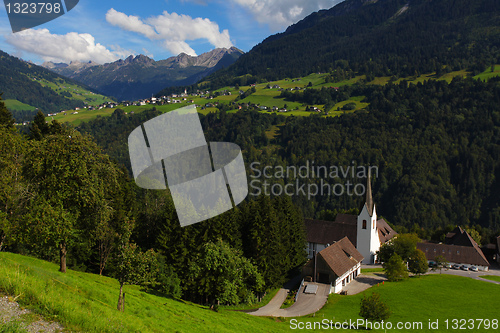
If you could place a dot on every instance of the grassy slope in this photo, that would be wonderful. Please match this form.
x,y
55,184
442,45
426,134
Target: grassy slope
x,y
87,302
76,91
15,105
420,299
488,73
270,97
62,86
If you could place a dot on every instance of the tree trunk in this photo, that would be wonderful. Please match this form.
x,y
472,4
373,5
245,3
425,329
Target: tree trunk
x,y
2,239
120,299
62,257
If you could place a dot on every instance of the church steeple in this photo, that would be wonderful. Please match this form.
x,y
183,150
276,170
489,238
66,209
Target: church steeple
x,y
369,197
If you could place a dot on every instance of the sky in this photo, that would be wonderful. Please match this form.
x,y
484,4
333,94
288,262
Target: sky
x,y
105,31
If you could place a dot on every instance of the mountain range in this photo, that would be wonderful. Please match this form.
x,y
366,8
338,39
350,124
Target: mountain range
x,y
140,76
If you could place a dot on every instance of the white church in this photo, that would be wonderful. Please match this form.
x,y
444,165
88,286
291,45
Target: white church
x,y
364,231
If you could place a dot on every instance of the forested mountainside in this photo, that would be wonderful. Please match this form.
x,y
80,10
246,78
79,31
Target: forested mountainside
x,y
377,38
23,81
436,145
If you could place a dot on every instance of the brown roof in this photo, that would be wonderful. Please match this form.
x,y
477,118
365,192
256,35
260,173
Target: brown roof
x,y
328,232
385,232
454,253
459,237
341,256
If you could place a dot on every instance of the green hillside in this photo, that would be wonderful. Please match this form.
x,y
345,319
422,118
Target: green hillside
x,y
269,97
87,302
36,87
15,105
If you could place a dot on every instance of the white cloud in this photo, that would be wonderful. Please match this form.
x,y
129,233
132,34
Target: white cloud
x,y
278,14
130,23
62,48
173,29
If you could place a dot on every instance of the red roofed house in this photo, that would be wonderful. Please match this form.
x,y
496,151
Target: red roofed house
x,y
458,248
338,264
364,231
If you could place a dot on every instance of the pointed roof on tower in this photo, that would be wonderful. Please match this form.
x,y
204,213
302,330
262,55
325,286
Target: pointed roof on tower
x,y
369,198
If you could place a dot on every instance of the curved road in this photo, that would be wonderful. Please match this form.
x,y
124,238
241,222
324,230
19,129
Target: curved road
x,y
306,303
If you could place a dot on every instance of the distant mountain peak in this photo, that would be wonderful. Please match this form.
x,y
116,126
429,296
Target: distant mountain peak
x,y
139,76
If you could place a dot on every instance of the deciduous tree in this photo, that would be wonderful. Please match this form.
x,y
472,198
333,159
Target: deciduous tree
x,y
395,268
440,263
12,185
134,268
417,264
71,178
224,275
373,308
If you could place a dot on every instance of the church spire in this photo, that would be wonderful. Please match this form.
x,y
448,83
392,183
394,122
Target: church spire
x,y
369,197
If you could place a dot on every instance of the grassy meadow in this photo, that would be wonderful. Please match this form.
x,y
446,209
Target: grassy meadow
x,y
87,303
15,105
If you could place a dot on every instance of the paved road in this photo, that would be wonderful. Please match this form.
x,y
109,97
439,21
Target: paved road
x,y
306,303
363,282
474,275
273,305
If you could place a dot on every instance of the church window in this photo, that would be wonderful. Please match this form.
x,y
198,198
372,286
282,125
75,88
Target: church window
x,y
364,224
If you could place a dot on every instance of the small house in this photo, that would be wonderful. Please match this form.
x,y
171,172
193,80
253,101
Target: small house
x,y
338,264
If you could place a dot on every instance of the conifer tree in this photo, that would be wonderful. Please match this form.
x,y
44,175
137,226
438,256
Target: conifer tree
x,y
39,127
6,119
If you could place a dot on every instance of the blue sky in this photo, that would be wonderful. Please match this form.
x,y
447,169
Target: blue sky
x,y
105,31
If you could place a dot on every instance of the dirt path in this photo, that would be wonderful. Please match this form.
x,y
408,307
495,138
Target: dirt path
x,y
11,312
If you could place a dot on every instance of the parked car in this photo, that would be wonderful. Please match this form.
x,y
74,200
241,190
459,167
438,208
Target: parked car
x,y
456,266
448,265
464,268
473,268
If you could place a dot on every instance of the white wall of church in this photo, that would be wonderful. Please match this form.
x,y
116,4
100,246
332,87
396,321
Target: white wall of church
x,y
368,242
